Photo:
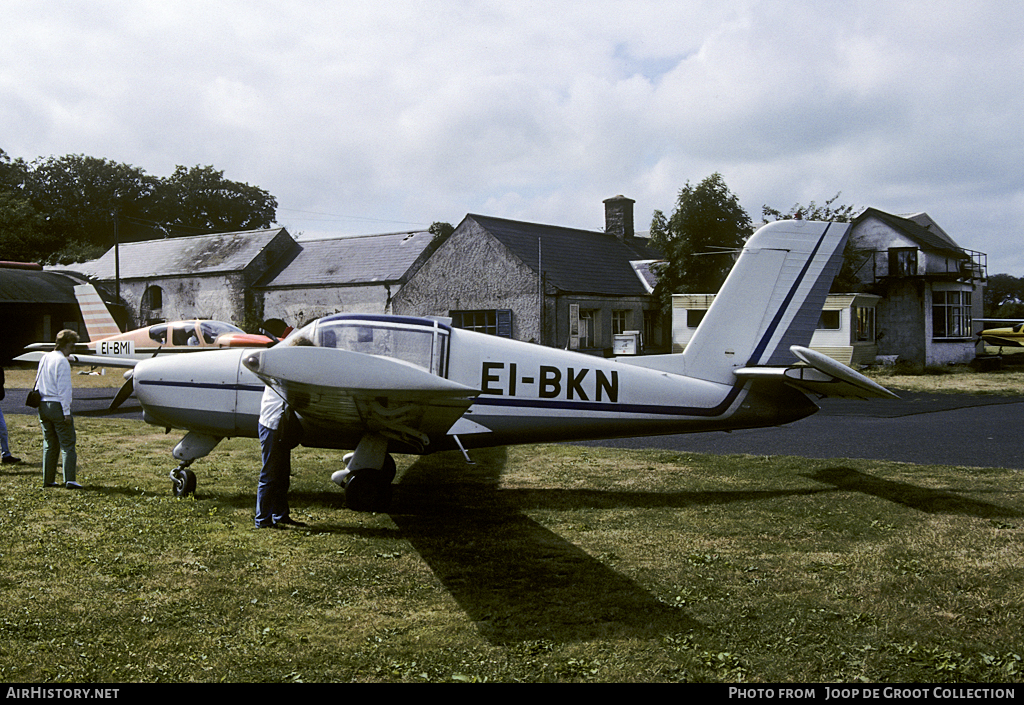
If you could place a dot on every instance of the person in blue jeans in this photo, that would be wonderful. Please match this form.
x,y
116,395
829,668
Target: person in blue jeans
x,y
53,382
5,449
275,476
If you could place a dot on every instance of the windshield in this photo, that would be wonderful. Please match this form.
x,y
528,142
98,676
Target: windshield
x,y
213,329
421,345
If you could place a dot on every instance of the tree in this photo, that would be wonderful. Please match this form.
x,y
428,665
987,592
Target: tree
x,y
440,230
1004,296
70,208
21,225
853,258
812,211
700,239
200,200
82,198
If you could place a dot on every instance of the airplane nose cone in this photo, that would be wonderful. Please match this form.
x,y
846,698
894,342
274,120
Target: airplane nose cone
x,y
253,360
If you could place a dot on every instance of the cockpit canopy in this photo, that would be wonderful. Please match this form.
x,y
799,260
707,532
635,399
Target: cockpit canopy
x,y
197,332
418,341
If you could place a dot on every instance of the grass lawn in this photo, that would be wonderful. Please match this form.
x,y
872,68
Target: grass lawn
x,y
539,563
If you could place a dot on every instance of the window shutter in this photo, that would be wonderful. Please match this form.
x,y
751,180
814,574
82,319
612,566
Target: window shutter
x,y
504,321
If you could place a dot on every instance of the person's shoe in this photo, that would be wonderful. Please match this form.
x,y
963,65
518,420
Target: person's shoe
x,y
52,484
72,485
11,460
291,522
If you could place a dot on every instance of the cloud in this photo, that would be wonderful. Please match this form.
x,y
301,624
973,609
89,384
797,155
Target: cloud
x,y
382,115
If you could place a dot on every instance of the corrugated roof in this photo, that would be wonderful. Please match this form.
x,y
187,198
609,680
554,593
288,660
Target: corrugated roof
x,y
351,260
20,286
197,255
579,261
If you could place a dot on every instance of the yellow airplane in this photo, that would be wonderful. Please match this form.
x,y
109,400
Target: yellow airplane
x,y
1006,337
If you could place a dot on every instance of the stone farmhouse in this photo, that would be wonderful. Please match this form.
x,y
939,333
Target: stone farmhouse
x,y
555,286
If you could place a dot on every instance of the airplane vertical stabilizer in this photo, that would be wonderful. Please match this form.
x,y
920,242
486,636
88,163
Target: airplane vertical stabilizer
x,y
771,300
99,323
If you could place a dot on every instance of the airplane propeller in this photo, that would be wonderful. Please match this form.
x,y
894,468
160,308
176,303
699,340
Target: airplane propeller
x,y
124,392
127,388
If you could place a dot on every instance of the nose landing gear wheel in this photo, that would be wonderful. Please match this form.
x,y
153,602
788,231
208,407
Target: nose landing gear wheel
x,y
183,482
369,490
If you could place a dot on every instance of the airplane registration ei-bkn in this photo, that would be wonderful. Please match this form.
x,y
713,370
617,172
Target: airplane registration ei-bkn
x,y
382,384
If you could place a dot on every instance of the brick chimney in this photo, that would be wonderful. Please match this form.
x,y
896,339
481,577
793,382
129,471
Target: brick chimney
x,y
618,216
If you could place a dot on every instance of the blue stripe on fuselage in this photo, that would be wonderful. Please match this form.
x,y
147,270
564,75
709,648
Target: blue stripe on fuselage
x,y
648,409
204,385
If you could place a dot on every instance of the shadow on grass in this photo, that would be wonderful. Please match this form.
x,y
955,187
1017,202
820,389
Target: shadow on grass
x,y
919,498
517,580
23,468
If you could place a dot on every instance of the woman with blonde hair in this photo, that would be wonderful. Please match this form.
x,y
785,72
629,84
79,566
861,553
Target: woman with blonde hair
x,y
53,382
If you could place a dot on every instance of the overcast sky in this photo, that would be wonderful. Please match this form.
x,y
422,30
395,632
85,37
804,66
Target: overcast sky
x,y
365,117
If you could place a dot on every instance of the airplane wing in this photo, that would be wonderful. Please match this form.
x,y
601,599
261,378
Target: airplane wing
x,y
822,376
346,389
1002,342
83,359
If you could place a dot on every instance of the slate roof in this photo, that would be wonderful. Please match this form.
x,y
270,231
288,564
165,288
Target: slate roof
x,y
936,241
576,261
196,255
388,258
20,286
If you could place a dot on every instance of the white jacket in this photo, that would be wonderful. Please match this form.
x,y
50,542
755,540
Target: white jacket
x,y
53,380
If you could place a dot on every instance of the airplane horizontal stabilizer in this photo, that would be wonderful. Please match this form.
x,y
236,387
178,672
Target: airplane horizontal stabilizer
x,y
822,376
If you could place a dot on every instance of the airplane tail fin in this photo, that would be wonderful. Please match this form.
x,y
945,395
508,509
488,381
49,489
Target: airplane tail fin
x,y
99,323
771,300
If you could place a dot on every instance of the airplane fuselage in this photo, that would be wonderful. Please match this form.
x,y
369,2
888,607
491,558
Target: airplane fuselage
x,y
395,384
526,393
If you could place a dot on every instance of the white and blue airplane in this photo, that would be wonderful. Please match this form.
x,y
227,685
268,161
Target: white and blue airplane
x,y
396,384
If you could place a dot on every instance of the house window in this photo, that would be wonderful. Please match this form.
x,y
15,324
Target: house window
x,y
694,317
588,328
951,314
153,299
903,261
620,322
829,320
492,322
865,332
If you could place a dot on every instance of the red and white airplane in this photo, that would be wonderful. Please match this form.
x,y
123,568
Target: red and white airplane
x,y
396,384
107,341
109,347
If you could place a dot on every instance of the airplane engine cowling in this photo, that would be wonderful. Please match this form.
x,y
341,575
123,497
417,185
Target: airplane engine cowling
x,y
207,392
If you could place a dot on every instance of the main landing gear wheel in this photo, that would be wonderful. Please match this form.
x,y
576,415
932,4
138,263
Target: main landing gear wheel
x,y
183,482
369,489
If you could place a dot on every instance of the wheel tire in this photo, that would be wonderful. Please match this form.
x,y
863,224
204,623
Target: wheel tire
x,y
389,470
368,491
183,483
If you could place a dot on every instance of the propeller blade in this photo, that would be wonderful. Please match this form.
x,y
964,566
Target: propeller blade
x,y
124,392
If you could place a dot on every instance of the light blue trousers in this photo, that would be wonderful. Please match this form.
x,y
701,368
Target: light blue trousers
x,y
58,438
